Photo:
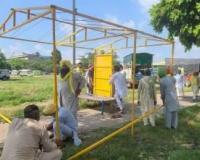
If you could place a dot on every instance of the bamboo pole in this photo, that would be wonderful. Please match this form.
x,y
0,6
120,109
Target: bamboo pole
x,y
55,72
109,23
7,19
41,42
92,39
14,18
24,23
133,79
74,30
172,57
34,8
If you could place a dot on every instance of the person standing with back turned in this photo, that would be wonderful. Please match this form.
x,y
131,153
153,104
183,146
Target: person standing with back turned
x,y
170,100
121,90
147,96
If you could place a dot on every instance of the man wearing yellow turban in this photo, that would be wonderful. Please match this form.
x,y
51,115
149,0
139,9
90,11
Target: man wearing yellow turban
x,y
70,86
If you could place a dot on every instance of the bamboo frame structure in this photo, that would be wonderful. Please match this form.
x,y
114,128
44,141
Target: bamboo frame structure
x,y
55,72
106,30
133,77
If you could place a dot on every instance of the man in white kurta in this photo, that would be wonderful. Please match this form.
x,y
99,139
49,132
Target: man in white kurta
x,y
147,97
70,86
28,140
179,84
121,90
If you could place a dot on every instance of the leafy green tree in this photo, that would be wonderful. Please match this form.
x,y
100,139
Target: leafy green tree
x,y
42,64
3,62
18,63
88,59
58,56
180,17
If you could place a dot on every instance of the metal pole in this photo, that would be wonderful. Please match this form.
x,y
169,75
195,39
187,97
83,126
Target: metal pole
x,y
133,78
172,57
55,72
74,30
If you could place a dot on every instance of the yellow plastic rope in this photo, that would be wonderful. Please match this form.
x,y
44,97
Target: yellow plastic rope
x,y
68,79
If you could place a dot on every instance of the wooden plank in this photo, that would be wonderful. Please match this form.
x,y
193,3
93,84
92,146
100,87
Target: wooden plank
x,y
96,98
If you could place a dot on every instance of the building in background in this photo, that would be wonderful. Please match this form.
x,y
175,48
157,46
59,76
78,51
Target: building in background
x,y
188,65
29,56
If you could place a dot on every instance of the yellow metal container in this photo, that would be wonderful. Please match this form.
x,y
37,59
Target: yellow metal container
x,y
103,68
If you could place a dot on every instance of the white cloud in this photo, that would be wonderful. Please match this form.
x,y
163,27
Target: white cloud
x,y
112,18
130,23
65,27
13,49
146,4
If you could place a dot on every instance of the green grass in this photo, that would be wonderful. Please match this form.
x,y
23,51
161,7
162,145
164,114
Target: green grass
x,y
25,89
18,92
15,93
148,143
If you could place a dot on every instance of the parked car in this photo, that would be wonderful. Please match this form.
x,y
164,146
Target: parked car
x,y
25,72
14,72
4,74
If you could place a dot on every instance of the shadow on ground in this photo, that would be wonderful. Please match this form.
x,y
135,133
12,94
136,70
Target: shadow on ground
x,y
156,143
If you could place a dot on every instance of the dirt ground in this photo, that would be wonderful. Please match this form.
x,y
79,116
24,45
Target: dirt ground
x,y
91,118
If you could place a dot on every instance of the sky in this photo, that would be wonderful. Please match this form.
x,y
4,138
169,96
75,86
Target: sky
x,y
131,13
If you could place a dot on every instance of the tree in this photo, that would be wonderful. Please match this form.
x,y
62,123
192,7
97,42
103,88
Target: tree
x,y
88,59
3,62
39,63
18,63
58,56
180,17
42,64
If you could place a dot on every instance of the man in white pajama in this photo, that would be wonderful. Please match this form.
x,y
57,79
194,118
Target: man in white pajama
x,y
147,96
68,126
121,90
179,84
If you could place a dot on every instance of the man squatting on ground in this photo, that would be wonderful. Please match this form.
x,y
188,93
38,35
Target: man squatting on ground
x,y
68,126
28,140
121,90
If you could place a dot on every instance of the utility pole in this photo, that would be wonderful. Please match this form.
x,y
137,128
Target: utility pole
x,y
74,30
